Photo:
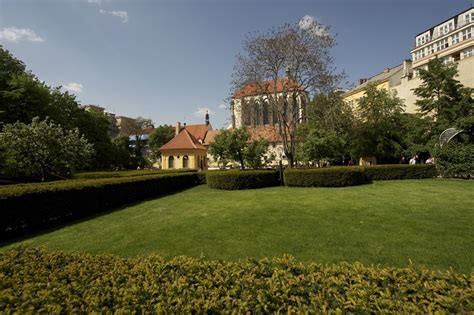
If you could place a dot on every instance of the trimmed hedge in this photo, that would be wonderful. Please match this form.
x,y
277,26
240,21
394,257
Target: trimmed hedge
x,y
389,172
237,179
129,173
28,206
336,176
201,177
41,281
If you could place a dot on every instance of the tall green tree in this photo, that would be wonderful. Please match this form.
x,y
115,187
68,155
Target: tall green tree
x,y
377,131
160,136
441,96
302,54
329,124
234,143
255,153
43,148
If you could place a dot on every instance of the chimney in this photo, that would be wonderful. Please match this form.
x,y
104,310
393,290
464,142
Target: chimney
x,y
207,118
362,81
178,128
387,70
407,69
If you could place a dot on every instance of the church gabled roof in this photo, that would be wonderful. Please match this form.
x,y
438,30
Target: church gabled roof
x,y
183,141
268,87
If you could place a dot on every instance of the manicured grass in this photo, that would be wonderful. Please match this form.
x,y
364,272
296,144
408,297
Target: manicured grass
x,y
429,222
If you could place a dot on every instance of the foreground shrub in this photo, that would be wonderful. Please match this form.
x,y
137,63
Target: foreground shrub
x,y
337,176
456,160
236,179
40,281
28,206
389,172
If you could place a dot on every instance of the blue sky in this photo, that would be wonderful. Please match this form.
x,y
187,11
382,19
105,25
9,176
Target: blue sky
x,y
168,60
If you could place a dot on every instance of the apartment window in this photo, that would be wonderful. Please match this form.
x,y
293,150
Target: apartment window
x,y
455,39
467,33
468,52
431,49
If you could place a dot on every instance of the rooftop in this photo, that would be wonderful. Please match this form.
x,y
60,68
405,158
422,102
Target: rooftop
x,y
267,87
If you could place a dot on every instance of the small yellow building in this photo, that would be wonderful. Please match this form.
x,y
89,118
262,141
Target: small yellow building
x,y
389,78
186,149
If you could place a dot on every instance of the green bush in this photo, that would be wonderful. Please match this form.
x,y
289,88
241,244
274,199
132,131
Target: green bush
x,y
40,281
456,160
336,176
128,173
28,206
201,175
236,179
400,171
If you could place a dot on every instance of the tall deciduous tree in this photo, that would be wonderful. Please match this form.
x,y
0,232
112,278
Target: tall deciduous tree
x,y
441,96
377,132
43,148
300,52
160,136
235,144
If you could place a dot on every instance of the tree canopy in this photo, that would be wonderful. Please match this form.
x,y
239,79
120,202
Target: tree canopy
x,y
301,53
43,148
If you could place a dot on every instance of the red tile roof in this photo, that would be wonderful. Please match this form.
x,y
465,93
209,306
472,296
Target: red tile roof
x,y
270,133
198,131
183,141
211,134
267,87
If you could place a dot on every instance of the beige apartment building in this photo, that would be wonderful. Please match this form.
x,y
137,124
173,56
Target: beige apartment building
x,y
451,40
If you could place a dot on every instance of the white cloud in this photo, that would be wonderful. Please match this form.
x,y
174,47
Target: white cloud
x,y
222,106
201,112
309,23
95,1
123,15
14,34
73,87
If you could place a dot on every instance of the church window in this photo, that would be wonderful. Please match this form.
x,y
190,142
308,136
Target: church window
x,y
171,162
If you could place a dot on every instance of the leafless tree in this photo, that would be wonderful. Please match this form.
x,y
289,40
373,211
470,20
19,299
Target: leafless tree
x,y
287,64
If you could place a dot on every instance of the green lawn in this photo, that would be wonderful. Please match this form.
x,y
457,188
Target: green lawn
x,y
430,222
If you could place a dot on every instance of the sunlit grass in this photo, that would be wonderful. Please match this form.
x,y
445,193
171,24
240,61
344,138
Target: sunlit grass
x,y
429,222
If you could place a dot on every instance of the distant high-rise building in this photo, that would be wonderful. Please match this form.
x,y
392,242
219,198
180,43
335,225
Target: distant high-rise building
x,y
451,40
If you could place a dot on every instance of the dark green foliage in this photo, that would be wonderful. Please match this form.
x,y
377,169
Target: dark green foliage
x,y
377,128
29,206
235,179
388,172
37,280
456,160
201,175
443,97
131,173
338,176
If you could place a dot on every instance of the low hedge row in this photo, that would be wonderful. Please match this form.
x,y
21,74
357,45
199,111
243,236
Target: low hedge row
x,y
390,172
28,206
337,176
41,281
128,173
237,179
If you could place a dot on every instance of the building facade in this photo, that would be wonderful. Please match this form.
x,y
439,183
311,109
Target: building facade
x,y
251,105
451,40
188,148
